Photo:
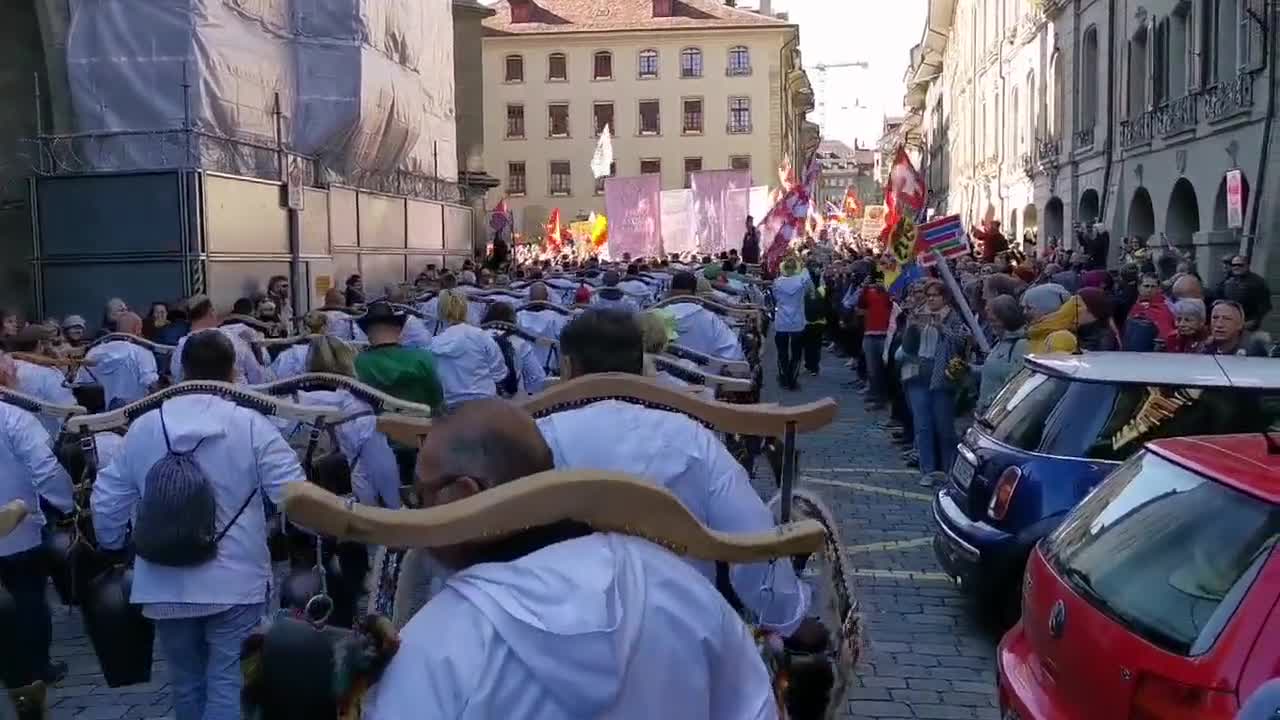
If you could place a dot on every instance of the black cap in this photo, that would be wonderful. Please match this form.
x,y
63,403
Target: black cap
x,y
381,313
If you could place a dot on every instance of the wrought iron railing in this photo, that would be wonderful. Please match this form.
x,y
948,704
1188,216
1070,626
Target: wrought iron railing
x,y
1177,115
1136,131
1083,138
1229,97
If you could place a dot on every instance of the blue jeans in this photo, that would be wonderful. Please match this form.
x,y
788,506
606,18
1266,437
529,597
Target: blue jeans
x,y
204,661
933,412
873,355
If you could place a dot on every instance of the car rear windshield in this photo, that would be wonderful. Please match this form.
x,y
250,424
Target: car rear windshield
x,y
1111,421
1165,551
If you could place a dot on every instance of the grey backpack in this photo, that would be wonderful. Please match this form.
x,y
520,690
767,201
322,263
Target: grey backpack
x,y
178,513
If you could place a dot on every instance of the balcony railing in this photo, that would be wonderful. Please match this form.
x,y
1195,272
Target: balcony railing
x,y
1083,138
1230,97
1136,131
1047,152
1178,115
1029,164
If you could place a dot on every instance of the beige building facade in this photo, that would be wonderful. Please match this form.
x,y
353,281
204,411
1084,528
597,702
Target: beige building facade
x,y
683,87
1047,114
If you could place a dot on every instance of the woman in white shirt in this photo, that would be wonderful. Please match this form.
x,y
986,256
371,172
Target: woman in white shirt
x,y
789,291
292,362
468,360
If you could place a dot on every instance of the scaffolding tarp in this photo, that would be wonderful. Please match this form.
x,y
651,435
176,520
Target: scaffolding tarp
x,y
365,86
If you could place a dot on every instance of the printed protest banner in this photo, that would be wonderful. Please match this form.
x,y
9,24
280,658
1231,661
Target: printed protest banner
x,y
634,208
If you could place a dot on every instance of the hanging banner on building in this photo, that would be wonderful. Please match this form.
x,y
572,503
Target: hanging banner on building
x,y
720,213
634,208
677,233
1235,199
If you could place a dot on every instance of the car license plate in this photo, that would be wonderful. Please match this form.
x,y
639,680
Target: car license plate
x,y
962,471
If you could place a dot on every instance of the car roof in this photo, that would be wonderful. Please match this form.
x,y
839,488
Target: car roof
x,y
1245,462
1188,370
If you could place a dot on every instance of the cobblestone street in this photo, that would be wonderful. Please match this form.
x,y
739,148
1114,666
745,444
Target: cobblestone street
x,y
927,656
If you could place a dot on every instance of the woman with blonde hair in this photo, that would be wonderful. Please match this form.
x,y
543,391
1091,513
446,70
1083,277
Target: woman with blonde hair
x,y
658,329
468,360
292,362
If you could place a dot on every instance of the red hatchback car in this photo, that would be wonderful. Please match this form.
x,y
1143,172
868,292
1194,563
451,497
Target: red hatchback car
x,y
1158,598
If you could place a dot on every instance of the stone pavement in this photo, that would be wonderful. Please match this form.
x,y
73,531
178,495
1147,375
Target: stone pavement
x,y
927,657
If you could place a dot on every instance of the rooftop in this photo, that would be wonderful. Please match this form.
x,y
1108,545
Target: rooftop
x,y
583,16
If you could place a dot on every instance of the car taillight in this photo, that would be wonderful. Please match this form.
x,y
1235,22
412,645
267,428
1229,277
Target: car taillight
x,y
1158,698
1003,493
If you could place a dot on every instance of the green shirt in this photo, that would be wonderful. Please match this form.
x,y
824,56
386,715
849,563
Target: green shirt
x,y
401,372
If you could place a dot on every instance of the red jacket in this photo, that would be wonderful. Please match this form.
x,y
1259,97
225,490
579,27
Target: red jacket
x,y
1157,312
876,306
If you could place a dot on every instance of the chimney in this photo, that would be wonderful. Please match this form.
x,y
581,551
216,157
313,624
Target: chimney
x,y
662,8
521,11
766,8
731,3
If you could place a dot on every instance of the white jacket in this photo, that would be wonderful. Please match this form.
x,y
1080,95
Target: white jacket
x,y
681,455
602,626
125,371
249,370
468,362
241,452
700,329
46,384
375,476
28,472
788,299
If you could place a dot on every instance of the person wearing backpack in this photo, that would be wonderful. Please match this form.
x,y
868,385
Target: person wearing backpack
x,y
525,373
195,472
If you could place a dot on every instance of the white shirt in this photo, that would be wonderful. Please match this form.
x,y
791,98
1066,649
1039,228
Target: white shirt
x,y
291,362
788,299
676,452
375,476
530,372
28,471
603,626
415,334
543,323
343,326
126,371
248,369
700,329
240,451
431,314
48,385
469,363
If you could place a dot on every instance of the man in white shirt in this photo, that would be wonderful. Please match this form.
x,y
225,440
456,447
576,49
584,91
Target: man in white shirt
x,y
42,382
202,612
248,369
28,472
557,622
673,451
126,371
700,329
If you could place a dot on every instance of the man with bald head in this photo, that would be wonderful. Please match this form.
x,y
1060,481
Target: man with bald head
x,y
126,371
543,322
558,622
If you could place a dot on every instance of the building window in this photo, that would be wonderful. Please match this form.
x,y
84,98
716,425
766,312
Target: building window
x,y
1138,74
648,64
739,61
651,166
515,121
558,120
1180,46
690,63
602,67
740,162
1225,48
1160,64
691,166
650,118
515,178
603,114
1089,80
691,123
739,115
515,68
557,67
613,170
561,182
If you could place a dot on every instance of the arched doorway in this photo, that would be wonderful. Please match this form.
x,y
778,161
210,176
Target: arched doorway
x,y
1183,218
1053,218
1220,202
1030,223
1142,218
1089,207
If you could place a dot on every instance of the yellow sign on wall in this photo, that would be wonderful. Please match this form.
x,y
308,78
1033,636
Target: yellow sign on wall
x,y
323,284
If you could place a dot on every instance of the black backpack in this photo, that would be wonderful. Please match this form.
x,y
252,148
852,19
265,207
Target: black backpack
x,y
178,512
509,385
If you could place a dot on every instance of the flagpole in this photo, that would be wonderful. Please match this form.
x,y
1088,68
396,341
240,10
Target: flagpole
x,y
962,302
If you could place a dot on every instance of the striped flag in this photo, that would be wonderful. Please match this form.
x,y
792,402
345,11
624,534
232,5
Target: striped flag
x,y
944,236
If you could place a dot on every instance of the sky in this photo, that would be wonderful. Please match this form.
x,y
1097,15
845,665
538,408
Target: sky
x,y
841,31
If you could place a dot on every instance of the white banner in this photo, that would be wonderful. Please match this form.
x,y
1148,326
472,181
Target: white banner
x,y
677,230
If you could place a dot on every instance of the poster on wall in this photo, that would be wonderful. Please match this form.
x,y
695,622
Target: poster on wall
x,y
634,208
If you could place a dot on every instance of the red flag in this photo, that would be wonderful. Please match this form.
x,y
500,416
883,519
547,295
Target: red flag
x,y
552,239
905,184
852,205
